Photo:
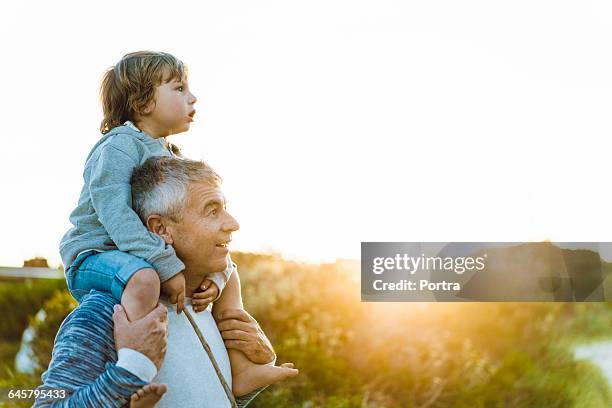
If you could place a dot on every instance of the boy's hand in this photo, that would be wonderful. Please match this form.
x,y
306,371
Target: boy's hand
x,y
175,289
209,292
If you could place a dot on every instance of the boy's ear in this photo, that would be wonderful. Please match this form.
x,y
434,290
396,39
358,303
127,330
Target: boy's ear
x,y
141,113
149,108
157,225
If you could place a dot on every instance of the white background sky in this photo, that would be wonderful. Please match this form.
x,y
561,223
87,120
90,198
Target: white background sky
x,y
332,122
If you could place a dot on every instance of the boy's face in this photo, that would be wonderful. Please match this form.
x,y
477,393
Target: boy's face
x,y
172,111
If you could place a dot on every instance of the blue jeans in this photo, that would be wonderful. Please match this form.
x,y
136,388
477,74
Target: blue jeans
x,y
105,271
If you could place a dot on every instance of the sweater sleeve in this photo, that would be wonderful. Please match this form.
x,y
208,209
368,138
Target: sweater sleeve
x,y
111,196
112,388
83,361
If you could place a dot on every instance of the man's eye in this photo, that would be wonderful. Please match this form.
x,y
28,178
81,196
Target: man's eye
x,y
214,212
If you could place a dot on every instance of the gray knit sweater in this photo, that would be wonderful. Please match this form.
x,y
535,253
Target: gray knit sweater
x,y
103,219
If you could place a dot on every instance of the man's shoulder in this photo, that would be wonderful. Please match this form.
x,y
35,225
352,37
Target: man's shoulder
x,y
95,311
87,332
97,298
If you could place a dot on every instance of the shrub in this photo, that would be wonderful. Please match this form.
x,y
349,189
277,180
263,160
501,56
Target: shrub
x,y
353,354
21,300
56,310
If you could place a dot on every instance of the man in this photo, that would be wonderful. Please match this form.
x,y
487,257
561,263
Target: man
x,y
84,361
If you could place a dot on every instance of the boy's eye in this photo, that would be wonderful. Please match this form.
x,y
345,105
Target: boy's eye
x,y
180,88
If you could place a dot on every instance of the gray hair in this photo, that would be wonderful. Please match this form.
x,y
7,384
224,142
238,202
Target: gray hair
x,y
159,185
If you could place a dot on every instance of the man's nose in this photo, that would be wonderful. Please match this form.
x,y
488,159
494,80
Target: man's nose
x,y
231,224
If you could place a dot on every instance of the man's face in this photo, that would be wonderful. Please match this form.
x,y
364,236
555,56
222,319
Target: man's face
x,y
202,237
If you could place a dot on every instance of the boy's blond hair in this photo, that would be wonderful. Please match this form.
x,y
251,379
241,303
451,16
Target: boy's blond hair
x,y
129,87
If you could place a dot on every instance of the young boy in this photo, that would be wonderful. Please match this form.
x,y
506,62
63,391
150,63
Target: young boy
x,y
145,98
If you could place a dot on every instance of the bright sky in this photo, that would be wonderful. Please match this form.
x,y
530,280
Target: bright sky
x,y
332,122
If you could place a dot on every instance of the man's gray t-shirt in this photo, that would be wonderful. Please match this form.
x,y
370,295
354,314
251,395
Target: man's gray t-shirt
x,y
191,378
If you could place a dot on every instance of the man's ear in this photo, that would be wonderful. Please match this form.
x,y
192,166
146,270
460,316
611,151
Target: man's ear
x,y
158,225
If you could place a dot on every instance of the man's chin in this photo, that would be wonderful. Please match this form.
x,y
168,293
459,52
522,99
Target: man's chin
x,y
224,265
216,267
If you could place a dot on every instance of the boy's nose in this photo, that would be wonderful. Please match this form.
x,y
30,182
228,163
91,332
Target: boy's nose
x,y
193,98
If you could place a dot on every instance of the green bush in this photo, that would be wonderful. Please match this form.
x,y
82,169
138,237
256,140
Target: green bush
x,y
21,300
353,354
56,310
413,355
8,350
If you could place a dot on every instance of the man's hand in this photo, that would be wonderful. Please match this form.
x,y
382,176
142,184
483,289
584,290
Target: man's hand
x,y
146,335
241,331
175,289
209,292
